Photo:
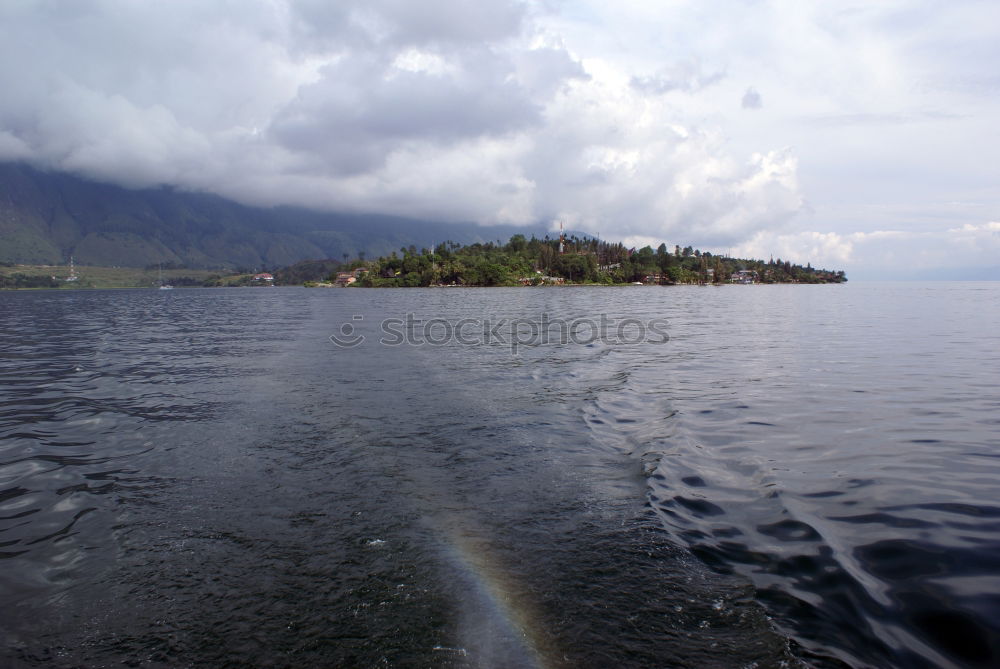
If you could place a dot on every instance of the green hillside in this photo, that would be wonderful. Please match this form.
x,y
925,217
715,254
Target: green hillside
x,y
47,217
54,276
534,262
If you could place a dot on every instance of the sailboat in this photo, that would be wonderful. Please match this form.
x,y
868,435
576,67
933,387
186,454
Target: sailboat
x,y
163,286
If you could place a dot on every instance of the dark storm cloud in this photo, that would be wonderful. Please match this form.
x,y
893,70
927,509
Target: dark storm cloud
x,y
172,92
451,109
361,108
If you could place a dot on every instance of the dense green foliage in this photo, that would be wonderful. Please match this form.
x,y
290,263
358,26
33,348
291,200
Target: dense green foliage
x,y
306,271
535,261
19,280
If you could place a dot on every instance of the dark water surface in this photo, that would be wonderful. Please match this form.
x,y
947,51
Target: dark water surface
x,y
800,476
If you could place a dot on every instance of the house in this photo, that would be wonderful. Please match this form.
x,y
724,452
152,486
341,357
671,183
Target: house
x,y
263,277
746,276
345,278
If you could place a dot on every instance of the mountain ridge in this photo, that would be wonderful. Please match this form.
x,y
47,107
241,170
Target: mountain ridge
x,y
46,217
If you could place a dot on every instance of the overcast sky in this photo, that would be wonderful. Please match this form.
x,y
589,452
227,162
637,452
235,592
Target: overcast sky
x,y
854,135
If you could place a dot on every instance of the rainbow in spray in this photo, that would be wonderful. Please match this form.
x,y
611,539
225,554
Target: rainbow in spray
x,y
499,624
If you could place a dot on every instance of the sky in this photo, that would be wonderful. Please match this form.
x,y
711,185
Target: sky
x,y
852,135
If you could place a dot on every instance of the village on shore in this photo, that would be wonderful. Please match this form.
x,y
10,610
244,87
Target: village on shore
x,y
573,260
519,262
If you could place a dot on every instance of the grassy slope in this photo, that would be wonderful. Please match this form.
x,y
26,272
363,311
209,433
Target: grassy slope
x,y
110,277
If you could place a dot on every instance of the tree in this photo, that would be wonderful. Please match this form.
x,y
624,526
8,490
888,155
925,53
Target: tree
x,y
545,256
494,274
490,264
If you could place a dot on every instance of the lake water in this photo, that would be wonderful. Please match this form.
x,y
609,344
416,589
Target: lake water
x,y
729,476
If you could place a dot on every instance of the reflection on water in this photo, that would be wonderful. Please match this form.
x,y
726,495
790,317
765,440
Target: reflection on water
x,y
801,474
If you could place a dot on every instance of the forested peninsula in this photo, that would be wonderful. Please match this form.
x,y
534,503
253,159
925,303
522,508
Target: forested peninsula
x,y
572,259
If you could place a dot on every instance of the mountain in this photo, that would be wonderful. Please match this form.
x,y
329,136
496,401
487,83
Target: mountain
x,y
45,217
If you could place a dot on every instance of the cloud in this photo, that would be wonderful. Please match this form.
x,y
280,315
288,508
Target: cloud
x,y
751,99
993,227
880,119
446,109
13,147
882,254
687,76
362,108
401,23
820,248
617,122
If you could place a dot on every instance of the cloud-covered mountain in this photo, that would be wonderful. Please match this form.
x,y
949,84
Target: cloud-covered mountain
x,y
46,217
